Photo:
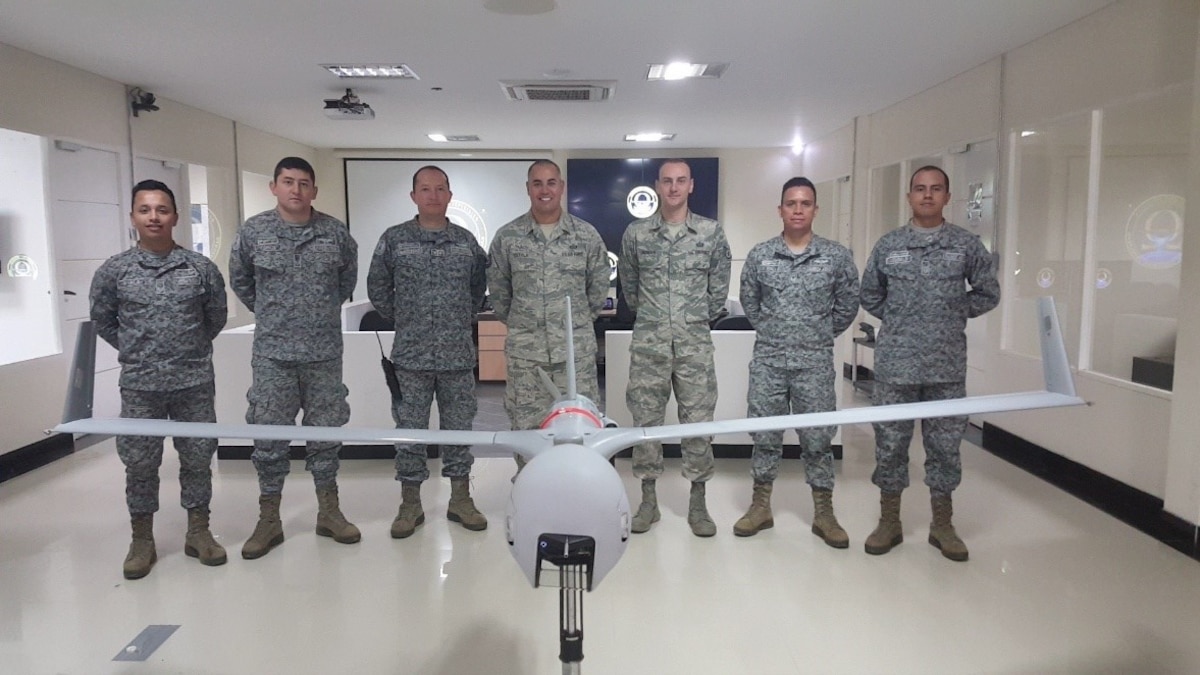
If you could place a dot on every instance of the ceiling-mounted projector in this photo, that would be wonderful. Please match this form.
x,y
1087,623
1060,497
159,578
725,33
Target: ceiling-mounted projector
x,y
348,107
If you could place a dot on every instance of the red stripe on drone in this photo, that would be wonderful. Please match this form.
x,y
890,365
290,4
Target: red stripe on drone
x,y
571,411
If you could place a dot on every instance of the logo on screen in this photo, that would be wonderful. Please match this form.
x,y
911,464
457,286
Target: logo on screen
x,y
1154,232
464,215
642,202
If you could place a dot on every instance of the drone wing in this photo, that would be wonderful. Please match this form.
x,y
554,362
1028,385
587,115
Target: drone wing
x,y
515,440
611,441
1059,392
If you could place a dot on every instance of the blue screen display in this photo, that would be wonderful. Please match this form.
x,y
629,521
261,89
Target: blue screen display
x,y
598,191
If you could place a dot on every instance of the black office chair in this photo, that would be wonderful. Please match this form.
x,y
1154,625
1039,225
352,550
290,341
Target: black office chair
x,y
374,321
733,323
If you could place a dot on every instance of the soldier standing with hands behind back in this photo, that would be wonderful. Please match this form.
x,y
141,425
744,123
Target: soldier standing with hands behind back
x,y
294,266
160,306
800,291
923,281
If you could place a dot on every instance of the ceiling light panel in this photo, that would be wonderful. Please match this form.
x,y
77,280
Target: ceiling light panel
x,y
649,137
455,138
679,70
371,71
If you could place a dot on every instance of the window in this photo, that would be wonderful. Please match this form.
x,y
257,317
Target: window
x,y
1095,219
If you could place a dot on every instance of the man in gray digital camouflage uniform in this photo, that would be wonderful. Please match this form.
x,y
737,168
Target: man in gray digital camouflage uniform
x,y
674,269
160,306
923,281
428,278
536,261
800,291
294,266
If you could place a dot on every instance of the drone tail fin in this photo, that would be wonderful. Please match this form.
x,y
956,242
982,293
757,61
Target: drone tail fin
x,y
81,382
572,389
1055,367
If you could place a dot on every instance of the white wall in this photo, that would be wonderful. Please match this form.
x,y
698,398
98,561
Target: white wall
x,y
27,320
50,99
60,102
1130,49
1183,447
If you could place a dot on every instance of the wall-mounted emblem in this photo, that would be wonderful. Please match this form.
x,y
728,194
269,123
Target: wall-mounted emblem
x,y
22,266
642,202
1154,233
464,215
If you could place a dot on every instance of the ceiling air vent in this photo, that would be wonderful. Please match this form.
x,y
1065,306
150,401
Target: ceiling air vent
x,y
561,90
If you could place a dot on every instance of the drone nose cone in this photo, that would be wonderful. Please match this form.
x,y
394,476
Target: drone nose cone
x,y
569,490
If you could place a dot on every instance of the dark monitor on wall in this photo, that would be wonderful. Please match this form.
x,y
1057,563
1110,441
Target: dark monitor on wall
x,y
605,192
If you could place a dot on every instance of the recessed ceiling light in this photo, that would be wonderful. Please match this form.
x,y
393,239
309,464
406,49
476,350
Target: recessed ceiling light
x,y
1026,134
460,138
650,137
680,70
375,70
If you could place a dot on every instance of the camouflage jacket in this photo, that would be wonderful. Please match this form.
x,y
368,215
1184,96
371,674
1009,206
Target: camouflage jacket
x,y
923,286
161,314
430,284
799,302
295,279
529,277
676,288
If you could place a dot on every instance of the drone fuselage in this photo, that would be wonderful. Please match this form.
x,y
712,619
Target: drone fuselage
x,y
569,490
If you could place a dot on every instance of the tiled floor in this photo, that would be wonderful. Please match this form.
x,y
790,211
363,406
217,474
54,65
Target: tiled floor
x,y
1053,585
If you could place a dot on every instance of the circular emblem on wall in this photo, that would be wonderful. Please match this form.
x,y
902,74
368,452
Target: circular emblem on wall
x,y
464,215
612,266
642,202
1154,233
1045,277
22,266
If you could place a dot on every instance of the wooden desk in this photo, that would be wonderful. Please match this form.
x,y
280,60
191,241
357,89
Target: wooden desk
x,y
491,349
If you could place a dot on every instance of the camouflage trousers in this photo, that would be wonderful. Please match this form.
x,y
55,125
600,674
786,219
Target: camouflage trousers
x,y
455,392
525,397
941,435
652,378
142,455
781,391
279,391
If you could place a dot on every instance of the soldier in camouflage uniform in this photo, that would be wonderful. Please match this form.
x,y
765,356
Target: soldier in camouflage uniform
x,y
800,291
674,271
536,261
293,266
428,278
160,306
923,281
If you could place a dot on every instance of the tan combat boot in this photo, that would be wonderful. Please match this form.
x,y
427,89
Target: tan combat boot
x,y
941,532
758,516
647,513
199,542
888,533
411,515
462,507
698,519
142,555
825,524
330,521
268,533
